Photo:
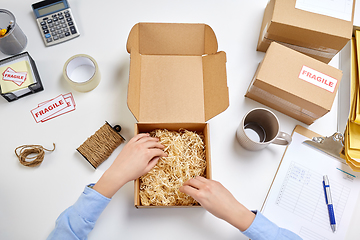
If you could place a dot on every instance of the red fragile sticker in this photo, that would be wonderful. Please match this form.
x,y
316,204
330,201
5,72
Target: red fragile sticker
x,y
17,77
318,78
53,108
70,107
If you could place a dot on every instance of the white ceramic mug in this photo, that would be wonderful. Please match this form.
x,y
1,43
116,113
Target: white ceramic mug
x,y
260,127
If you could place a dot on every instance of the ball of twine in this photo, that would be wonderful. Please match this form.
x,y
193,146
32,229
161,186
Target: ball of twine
x,y
23,152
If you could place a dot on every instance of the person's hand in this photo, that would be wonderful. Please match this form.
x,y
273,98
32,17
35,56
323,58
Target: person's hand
x,y
137,157
216,199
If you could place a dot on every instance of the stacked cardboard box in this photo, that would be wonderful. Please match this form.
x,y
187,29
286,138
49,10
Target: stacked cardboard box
x,y
303,87
315,35
294,84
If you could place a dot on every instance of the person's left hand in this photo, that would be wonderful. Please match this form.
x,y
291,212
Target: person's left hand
x,y
216,199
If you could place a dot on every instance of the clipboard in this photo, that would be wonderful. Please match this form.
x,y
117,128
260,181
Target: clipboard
x,y
296,200
303,131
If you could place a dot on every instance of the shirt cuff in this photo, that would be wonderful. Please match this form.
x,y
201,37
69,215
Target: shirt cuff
x,y
261,226
91,204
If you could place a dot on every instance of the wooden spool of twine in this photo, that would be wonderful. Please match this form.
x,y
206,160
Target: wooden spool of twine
x,y
23,152
98,147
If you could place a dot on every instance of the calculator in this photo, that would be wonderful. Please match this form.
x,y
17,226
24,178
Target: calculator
x,y
55,21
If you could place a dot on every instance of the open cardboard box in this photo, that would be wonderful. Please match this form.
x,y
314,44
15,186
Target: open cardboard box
x,y
177,80
315,35
294,84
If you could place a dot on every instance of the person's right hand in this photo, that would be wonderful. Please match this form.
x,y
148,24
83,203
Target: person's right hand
x,y
137,157
216,199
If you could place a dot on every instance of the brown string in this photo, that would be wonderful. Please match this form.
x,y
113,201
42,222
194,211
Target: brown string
x,y
23,152
98,147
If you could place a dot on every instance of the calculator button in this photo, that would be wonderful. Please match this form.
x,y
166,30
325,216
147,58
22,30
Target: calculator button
x,y
73,30
57,27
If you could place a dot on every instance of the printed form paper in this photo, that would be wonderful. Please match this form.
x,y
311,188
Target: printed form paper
x,y
341,9
296,200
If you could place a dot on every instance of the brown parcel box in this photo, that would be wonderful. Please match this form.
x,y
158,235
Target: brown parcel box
x,y
315,35
294,84
177,79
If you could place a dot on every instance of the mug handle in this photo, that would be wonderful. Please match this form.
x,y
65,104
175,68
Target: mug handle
x,y
282,139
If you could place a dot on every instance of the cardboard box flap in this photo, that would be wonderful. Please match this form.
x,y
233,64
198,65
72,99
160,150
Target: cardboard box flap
x,y
177,88
171,89
216,93
133,39
172,39
133,96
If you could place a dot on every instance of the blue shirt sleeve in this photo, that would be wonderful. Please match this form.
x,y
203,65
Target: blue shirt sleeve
x,y
77,221
263,229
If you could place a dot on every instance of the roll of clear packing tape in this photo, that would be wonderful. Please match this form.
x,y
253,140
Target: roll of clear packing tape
x,y
82,73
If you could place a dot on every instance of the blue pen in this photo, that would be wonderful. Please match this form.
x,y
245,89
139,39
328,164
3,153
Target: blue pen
x,y
329,203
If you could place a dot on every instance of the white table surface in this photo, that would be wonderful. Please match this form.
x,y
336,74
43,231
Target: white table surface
x,y
32,198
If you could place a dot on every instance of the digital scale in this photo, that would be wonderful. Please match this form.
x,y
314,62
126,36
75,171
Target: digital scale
x,y
55,21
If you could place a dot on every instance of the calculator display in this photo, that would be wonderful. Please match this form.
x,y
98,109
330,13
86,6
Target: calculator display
x,y
52,8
